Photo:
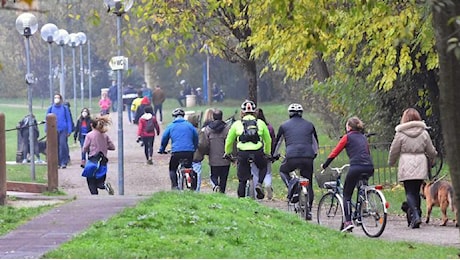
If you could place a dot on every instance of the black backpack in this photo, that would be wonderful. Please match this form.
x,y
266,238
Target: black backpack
x,y
250,132
150,126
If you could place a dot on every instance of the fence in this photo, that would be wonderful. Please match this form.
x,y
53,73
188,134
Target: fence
x,y
383,173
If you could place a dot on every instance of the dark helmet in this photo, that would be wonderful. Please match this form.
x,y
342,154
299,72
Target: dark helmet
x,y
248,107
295,109
178,112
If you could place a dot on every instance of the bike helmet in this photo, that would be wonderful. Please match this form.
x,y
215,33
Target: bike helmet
x,y
248,107
294,107
178,112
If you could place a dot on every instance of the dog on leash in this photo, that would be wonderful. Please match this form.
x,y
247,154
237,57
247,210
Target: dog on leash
x,y
439,194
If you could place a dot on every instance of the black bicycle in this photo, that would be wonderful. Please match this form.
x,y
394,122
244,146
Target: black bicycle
x,y
368,211
249,191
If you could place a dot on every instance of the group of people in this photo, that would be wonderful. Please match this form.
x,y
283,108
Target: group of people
x,y
217,93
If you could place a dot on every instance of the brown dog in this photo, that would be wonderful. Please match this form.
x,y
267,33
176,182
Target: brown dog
x,y
439,194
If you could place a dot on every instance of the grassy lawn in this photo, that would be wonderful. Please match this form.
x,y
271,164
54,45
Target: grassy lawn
x,y
12,217
194,225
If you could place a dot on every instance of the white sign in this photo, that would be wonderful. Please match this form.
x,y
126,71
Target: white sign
x,y
118,63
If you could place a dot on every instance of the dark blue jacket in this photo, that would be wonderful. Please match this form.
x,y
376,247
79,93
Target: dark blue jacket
x,y
357,147
300,137
183,135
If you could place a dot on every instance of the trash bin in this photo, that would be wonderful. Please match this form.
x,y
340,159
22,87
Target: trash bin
x,y
190,100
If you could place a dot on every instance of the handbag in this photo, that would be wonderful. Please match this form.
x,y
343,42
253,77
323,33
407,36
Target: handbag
x,y
95,167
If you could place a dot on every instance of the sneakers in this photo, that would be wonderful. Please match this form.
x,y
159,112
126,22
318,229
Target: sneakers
x,y
269,193
109,188
259,191
39,161
149,162
64,166
347,226
24,161
216,188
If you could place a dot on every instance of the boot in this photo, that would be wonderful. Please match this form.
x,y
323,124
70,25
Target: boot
x,y
416,220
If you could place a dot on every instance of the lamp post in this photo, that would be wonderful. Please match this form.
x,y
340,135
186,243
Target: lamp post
x,y
74,42
62,38
27,25
208,85
119,8
82,37
47,32
90,76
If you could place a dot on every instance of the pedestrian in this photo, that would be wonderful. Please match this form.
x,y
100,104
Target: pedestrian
x,y
23,128
64,127
184,142
82,128
146,91
113,95
413,147
361,165
135,104
97,143
145,102
186,90
253,143
105,104
146,130
208,116
254,171
212,142
158,99
129,94
198,156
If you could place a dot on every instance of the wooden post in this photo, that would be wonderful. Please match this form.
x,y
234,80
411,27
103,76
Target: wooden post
x,y
2,160
52,152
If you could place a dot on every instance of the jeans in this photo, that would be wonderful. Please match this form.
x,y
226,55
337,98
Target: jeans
x,y
197,168
268,176
82,141
160,109
63,148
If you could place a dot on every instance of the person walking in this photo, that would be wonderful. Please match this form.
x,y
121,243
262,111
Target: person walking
x,y
64,128
146,130
82,128
254,171
145,102
253,143
198,155
105,104
301,142
129,94
361,165
158,99
113,95
184,142
135,104
97,143
212,142
146,91
413,147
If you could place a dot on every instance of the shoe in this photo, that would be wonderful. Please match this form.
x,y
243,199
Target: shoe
x,y
260,191
269,193
347,226
216,188
416,223
309,216
64,166
149,162
109,188
39,161
24,161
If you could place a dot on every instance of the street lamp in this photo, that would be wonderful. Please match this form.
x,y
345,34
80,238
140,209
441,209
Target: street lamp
x,y
74,42
82,37
27,25
47,32
62,38
208,85
119,7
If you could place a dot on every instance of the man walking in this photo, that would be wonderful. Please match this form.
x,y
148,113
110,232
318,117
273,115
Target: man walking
x,y
158,99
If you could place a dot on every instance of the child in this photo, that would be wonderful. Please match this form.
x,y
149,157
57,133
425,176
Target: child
x,y
97,143
81,130
145,132
105,104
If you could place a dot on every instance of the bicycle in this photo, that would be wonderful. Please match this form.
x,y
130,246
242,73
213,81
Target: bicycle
x,y
368,211
186,176
249,191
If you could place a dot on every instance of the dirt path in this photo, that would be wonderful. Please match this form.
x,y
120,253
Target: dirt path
x,y
142,179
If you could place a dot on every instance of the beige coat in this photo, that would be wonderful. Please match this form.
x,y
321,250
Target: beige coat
x,y
412,145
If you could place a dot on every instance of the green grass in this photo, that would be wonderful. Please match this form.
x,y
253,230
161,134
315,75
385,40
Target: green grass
x,y
193,225
11,217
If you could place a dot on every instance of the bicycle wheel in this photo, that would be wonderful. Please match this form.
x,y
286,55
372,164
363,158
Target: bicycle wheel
x,y
304,208
180,178
373,214
250,189
330,211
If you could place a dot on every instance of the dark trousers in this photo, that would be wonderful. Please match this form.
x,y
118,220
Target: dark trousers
x,y
412,189
158,108
82,141
63,148
244,168
355,173
305,165
219,176
148,146
94,184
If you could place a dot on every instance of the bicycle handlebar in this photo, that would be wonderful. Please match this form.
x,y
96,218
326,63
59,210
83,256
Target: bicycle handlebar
x,y
338,170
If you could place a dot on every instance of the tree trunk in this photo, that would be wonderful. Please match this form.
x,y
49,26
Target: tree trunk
x,y
449,95
320,67
251,74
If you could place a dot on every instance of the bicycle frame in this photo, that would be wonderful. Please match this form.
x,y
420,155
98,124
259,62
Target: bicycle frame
x,y
184,176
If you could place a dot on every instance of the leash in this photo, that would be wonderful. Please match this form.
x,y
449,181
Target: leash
x,y
436,180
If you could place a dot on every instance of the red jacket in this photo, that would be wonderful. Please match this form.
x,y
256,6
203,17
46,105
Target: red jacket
x,y
141,129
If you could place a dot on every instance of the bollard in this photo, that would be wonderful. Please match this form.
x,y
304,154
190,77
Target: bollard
x,y
2,160
52,152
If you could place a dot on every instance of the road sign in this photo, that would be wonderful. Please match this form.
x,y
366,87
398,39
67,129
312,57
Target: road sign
x,y
118,63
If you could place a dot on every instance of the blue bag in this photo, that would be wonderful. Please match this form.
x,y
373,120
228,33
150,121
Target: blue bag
x,y
94,170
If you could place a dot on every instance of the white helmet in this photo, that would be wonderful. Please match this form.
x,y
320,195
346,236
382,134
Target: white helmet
x,y
294,107
248,107
182,82
178,112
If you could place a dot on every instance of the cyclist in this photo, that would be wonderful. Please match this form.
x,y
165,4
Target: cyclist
x,y
184,142
253,142
301,147
357,147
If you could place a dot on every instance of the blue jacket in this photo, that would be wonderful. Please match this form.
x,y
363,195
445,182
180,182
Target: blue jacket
x,y
63,117
184,137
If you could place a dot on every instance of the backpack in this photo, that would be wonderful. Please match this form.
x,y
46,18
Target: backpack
x,y
150,126
250,132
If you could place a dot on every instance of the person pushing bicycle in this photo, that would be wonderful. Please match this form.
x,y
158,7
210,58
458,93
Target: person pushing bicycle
x,y
301,142
253,143
357,147
184,142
